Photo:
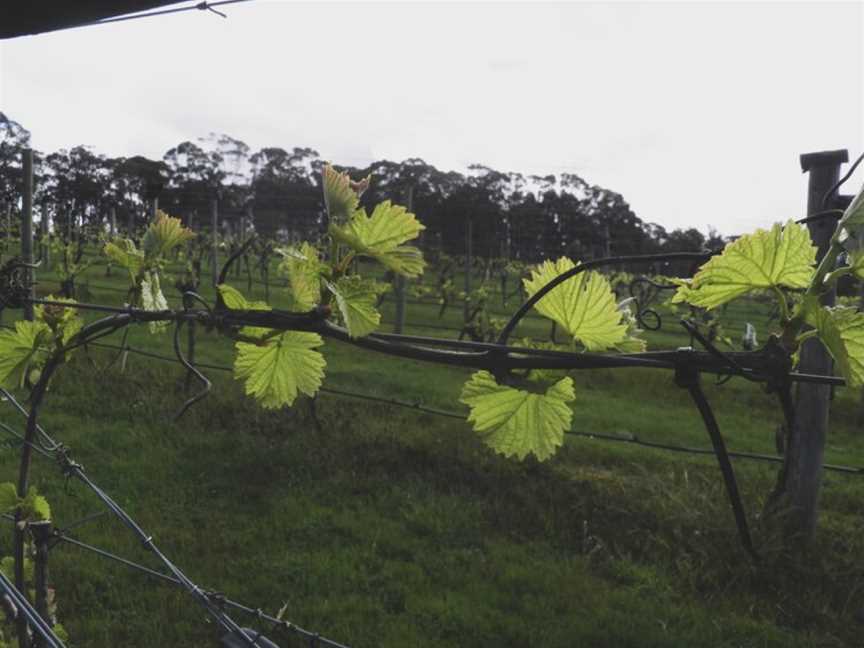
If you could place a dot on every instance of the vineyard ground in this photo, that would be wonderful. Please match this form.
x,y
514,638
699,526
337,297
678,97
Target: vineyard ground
x,y
389,527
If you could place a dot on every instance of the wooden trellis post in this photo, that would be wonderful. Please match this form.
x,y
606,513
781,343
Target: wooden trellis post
x,y
469,241
797,495
399,325
214,226
27,225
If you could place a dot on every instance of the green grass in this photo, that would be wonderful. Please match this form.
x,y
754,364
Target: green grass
x,y
386,527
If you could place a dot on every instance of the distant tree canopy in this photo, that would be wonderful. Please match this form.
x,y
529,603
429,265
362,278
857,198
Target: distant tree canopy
x,y
511,215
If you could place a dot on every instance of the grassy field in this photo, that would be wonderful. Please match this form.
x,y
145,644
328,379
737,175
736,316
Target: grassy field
x,y
381,526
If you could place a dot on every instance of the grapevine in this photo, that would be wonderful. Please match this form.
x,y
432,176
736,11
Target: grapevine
x,y
516,414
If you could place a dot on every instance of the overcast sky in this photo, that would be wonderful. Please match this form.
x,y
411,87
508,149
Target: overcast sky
x,y
695,112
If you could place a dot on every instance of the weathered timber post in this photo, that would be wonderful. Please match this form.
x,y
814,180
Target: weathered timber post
x,y
244,229
44,228
399,324
27,226
112,232
796,497
188,302
469,240
214,226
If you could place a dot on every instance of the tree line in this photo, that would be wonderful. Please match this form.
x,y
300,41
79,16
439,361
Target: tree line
x,y
278,191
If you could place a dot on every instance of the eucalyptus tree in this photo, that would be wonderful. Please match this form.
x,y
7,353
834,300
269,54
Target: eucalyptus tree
x,y
14,138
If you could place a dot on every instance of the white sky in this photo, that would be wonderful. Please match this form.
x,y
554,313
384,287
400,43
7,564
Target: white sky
x,y
695,112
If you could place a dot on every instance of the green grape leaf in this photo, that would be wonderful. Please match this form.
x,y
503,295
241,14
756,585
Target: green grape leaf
x,y
341,195
276,371
123,252
841,330
35,507
766,259
631,345
381,236
303,268
234,299
61,633
7,566
854,214
163,235
356,299
856,263
851,225
19,348
62,320
514,422
584,305
8,497
152,299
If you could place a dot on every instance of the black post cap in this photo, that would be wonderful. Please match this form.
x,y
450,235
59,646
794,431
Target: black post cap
x,y
823,159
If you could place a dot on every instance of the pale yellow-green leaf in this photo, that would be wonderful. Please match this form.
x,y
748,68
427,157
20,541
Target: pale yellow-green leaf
x,y
163,235
516,423
152,299
583,305
841,330
856,263
853,215
35,507
234,299
21,348
631,345
7,566
851,225
356,299
303,268
340,197
277,371
8,497
62,320
124,252
382,235
783,256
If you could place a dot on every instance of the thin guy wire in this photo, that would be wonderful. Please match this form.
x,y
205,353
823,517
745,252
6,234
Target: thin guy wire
x,y
201,6
287,625
632,439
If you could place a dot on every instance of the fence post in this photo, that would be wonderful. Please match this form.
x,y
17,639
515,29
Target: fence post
x,y
469,241
112,232
45,249
27,226
188,302
399,325
214,226
800,479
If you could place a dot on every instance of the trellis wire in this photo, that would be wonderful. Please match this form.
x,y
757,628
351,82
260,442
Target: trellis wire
x,y
73,469
26,611
425,409
500,358
216,596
